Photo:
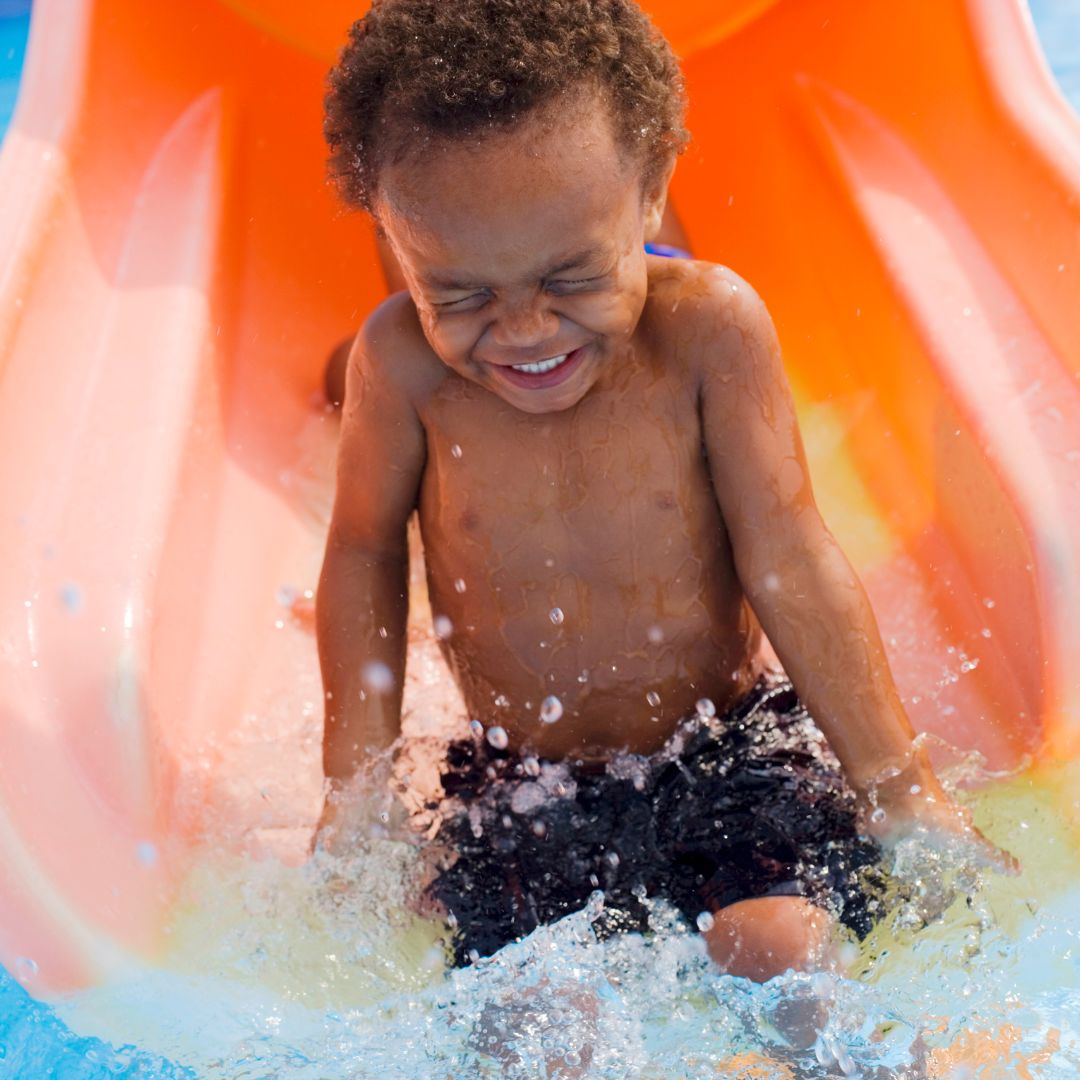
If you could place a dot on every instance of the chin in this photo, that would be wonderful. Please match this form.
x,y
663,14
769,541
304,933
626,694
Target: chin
x,y
537,404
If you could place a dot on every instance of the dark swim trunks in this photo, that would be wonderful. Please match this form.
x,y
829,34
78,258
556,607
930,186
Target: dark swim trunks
x,y
749,804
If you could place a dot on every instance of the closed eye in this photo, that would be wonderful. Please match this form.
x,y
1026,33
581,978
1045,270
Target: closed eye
x,y
472,300
575,283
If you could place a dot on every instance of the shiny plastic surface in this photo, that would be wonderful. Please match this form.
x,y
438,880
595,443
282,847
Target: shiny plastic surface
x,y
900,182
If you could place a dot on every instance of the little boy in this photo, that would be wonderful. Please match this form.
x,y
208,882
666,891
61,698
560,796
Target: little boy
x,y
613,500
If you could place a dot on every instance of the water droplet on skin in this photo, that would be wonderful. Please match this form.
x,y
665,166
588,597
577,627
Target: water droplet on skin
x,y
455,451
459,585
878,815
653,698
501,701
771,581
443,627
556,616
476,728
498,738
988,602
531,766
377,676
705,708
915,789
705,922
985,631
550,709
655,635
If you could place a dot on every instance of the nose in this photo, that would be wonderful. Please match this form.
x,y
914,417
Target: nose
x,y
524,322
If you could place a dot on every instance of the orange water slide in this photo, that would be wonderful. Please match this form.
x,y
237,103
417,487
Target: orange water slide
x,y
900,182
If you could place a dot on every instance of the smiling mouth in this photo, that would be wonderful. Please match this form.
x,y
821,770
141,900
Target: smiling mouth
x,y
540,366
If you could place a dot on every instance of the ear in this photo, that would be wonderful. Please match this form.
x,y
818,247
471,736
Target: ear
x,y
654,200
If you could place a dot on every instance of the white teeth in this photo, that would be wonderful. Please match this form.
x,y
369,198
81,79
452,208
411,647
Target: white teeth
x,y
541,365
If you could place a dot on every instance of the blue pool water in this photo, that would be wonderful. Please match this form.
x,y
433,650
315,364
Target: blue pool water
x,y
14,26
987,975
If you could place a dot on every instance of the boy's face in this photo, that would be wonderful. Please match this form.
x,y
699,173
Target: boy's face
x,y
523,253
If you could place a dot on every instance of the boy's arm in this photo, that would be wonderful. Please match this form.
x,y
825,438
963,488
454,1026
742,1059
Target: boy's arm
x,y
802,588
362,601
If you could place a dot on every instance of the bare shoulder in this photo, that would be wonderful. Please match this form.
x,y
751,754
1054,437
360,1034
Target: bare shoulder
x,y
391,347
708,316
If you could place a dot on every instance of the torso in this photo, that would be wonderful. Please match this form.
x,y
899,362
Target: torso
x,y
582,554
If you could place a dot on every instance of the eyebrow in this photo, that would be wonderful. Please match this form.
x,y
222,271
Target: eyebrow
x,y
454,283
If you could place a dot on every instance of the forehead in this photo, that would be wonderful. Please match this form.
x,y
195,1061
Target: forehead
x,y
510,199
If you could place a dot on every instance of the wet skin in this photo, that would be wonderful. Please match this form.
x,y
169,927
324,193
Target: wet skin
x,y
652,487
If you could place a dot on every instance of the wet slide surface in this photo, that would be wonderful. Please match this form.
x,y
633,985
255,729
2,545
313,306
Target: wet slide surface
x,y
173,271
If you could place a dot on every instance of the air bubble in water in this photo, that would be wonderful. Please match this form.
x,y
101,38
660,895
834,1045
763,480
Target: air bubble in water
x,y
705,921
704,707
498,738
551,709
556,616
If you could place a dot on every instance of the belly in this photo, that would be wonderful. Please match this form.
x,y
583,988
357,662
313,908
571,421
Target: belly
x,y
624,636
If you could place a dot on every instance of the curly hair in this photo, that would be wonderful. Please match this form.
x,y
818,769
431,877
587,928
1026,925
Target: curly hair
x,y
414,70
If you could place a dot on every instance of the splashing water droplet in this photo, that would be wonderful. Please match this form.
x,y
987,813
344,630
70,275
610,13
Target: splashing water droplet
x,y
556,616
531,766
498,738
443,627
550,709
653,698
705,708
878,815
705,921
612,859
146,853
459,585
455,451
377,676
655,634
476,728
539,829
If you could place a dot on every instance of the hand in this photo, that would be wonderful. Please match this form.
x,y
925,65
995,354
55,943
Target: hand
x,y
905,808
327,834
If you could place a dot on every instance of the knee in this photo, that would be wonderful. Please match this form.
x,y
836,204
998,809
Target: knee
x,y
760,938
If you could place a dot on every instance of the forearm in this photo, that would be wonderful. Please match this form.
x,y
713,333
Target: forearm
x,y
818,618
361,613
